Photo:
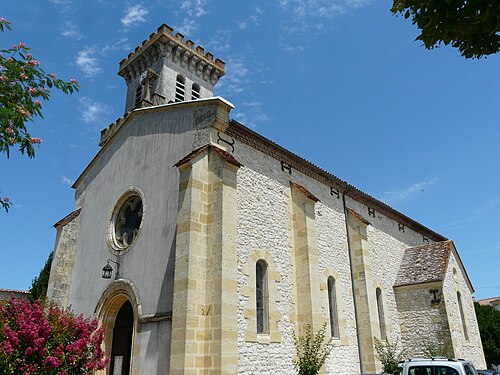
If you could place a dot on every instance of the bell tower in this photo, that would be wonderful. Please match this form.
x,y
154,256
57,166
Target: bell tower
x,y
167,69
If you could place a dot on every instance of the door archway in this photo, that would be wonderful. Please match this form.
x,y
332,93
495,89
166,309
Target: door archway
x,y
121,348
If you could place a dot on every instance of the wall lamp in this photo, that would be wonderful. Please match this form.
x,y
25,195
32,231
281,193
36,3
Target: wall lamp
x,y
107,270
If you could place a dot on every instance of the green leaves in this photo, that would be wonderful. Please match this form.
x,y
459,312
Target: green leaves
x,y
24,86
389,356
472,26
312,351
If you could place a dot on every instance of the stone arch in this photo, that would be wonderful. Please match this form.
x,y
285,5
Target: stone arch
x,y
107,309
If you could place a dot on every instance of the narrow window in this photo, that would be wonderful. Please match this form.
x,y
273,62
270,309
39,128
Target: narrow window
x,y
180,88
381,318
262,297
332,304
195,91
138,94
460,307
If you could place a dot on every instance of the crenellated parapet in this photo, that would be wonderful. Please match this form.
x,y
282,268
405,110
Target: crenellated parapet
x,y
108,132
164,44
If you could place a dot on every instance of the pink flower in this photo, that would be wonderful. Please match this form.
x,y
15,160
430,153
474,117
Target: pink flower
x,y
4,78
22,45
29,56
36,140
38,103
52,75
9,130
23,77
15,46
6,199
33,91
3,20
73,80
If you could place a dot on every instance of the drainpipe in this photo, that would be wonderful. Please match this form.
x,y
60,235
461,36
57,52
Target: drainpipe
x,y
360,349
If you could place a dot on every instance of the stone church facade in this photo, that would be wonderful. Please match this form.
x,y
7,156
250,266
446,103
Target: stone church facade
x,y
216,244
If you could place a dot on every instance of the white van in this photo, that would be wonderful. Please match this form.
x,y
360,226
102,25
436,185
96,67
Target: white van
x,y
438,366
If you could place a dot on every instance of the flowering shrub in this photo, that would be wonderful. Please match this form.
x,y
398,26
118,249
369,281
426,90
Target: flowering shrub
x,y
23,86
37,339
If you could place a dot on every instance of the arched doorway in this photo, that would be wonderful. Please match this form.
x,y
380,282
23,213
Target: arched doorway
x,y
121,348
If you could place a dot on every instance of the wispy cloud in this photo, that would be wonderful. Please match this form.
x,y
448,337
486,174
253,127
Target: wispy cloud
x,y
320,8
236,78
134,14
92,111
63,5
66,181
220,42
488,208
303,17
70,30
251,114
88,62
399,195
194,9
121,44
252,19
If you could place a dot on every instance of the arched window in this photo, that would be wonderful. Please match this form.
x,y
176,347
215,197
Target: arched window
x,y
180,88
332,304
138,94
460,307
195,91
381,317
262,297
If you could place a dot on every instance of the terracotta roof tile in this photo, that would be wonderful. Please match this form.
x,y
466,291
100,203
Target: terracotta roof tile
x,y
65,220
424,264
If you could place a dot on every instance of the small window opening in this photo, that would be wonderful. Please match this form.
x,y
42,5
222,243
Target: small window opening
x,y
262,297
332,304
138,94
195,91
460,307
381,317
180,88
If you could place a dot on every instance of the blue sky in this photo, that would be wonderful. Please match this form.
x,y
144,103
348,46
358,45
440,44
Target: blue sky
x,y
339,82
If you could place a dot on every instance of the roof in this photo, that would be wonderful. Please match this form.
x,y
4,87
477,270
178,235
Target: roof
x,y
428,263
65,220
489,301
14,291
424,264
222,153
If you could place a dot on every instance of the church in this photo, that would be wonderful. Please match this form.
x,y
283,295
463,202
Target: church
x,y
202,247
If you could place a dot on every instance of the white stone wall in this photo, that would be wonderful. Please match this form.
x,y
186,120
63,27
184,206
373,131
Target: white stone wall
x,y
387,244
423,324
262,206
263,224
334,260
454,282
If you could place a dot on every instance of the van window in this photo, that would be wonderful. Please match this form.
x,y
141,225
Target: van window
x,y
432,370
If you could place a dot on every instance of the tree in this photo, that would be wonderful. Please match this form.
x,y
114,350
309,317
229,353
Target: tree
x,y
472,26
23,87
312,351
40,283
488,320
38,339
389,355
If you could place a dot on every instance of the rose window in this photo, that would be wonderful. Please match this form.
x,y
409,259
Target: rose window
x,y
127,222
